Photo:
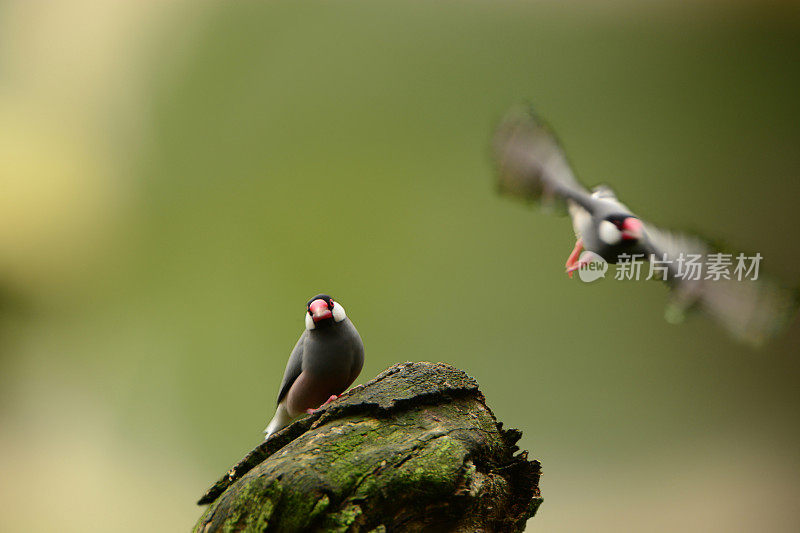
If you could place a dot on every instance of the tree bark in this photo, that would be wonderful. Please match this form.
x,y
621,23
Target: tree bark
x,y
415,449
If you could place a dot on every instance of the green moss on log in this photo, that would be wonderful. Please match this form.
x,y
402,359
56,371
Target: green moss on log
x,y
414,449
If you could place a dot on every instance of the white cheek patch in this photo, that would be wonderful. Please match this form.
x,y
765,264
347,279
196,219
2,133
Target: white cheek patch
x,y
309,322
609,233
338,312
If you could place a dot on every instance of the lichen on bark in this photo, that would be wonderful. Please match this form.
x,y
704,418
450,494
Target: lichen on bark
x,y
415,449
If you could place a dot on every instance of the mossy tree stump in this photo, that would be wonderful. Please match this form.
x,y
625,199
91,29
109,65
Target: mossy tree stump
x,y
414,449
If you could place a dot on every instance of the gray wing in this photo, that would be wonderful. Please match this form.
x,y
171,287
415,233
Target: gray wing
x,y
293,367
752,311
531,163
660,242
358,358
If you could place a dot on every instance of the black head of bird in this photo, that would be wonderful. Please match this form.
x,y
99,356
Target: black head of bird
x,y
322,311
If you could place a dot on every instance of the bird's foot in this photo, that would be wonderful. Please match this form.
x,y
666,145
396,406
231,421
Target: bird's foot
x,y
588,258
332,398
572,263
329,400
574,267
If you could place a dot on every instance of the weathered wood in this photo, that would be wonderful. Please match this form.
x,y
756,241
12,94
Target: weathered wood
x,y
414,449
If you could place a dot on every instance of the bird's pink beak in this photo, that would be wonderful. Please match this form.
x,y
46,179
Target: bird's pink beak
x,y
631,229
319,310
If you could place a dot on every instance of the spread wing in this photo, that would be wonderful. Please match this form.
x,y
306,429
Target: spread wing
x,y
293,367
531,163
752,310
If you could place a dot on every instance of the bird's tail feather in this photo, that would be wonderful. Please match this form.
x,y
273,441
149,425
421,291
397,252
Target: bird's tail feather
x,y
280,420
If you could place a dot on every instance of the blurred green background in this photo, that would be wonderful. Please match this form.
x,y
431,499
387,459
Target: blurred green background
x,y
175,182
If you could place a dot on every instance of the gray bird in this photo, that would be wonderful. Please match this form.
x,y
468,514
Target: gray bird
x,y
531,164
325,361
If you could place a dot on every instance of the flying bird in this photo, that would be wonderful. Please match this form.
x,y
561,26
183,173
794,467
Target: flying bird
x,y
325,361
531,164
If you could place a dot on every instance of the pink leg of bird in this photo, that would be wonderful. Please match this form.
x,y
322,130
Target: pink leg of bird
x,y
573,257
577,266
332,398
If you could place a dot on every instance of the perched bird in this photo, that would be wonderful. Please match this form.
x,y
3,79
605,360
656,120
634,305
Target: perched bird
x,y
325,361
531,164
